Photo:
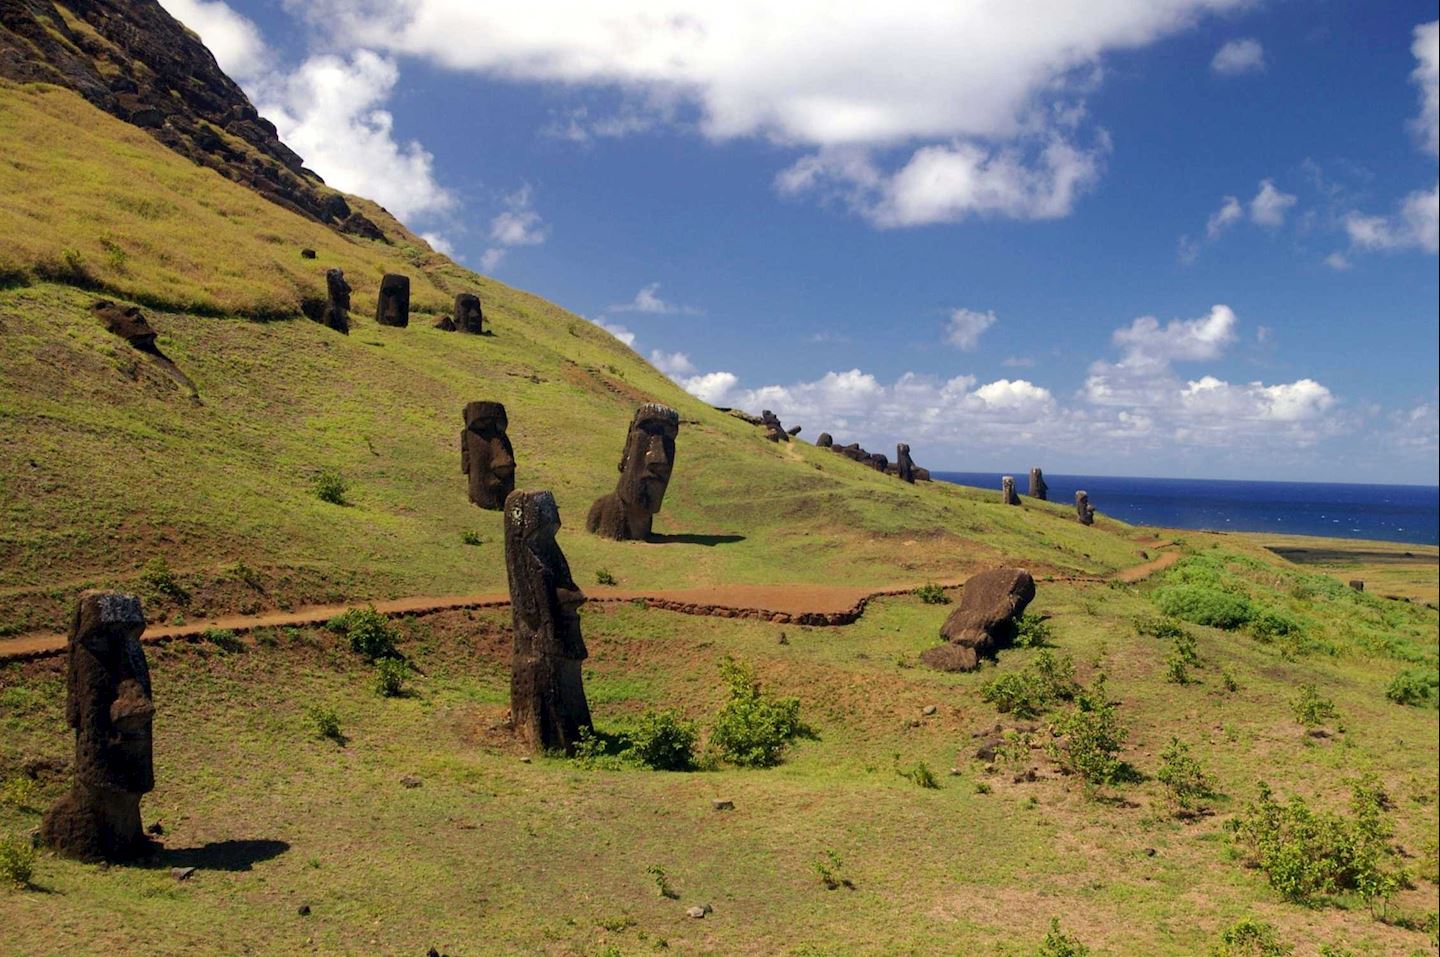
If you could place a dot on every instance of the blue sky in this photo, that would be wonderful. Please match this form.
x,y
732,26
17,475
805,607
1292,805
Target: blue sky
x,y
1148,237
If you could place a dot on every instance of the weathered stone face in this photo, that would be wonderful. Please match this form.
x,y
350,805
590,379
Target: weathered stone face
x,y
127,322
824,440
468,316
1083,511
1038,488
108,704
904,465
547,694
774,431
878,462
337,301
392,307
1007,490
645,467
486,455
985,620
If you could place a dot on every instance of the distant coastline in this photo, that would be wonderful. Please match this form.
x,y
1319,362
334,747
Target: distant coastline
x,y
1394,513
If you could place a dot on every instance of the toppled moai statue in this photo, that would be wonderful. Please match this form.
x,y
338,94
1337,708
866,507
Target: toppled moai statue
x,y
878,462
108,703
392,305
627,513
486,455
1007,490
547,692
337,301
985,620
1358,584
794,430
855,452
922,474
468,315
774,431
130,324
904,465
1038,488
1083,511
824,441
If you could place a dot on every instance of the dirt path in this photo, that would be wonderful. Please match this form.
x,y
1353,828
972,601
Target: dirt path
x,y
829,605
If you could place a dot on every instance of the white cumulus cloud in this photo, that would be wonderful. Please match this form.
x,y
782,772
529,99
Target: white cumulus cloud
x,y
965,326
1235,57
1270,205
648,301
1427,77
676,365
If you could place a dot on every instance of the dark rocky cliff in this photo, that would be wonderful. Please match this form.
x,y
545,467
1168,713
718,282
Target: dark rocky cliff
x,y
137,62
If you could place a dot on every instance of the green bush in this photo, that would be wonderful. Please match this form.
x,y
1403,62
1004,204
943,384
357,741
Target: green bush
x,y
1035,689
332,487
223,638
17,861
1412,687
932,594
919,774
1057,943
325,723
603,577
390,675
370,633
1311,709
1161,628
471,537
1093,736
1306,853
1250,938
664,741
753,727
1186,783
159,581
1268,625
1205,605
1032,631
831,871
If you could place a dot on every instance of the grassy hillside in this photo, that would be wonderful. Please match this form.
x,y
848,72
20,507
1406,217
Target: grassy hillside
x,y
107,465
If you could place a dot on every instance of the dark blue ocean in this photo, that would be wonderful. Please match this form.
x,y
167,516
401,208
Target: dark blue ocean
x,y
1394,513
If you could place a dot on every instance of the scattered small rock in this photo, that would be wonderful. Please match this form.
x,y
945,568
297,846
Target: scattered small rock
x,y
303,910
722,804
525,760
782,640
700,911
913,723
181,873
410,781
1149,852
955,772
157,829
929,709
307,254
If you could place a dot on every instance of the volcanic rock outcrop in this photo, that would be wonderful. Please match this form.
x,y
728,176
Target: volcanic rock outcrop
x,y
1083,510
108,703
985,621
486,456
1038,488
136,62
626,514
547,692
1007,490
392,305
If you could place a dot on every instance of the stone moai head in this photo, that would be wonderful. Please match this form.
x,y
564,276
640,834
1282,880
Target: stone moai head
x,y
1083,511
486,455
774,431
649,457
878,462
392,306
1007,490
1038,488
468,317
904,465
337,301
108,699
824,441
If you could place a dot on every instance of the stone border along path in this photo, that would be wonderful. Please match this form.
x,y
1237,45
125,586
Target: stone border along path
x,y
818,605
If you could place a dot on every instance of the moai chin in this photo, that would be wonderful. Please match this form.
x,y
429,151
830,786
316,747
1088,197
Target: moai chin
x,y
904,465
1007,490
626,514
1038,488
548,709
392,304
486,455
1083,511
468,315
337,301
108,703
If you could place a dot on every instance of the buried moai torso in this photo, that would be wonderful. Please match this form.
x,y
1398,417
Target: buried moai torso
x,y
1083,510
392,306
108,704
824,441
1007,490
626,514
337,301
1038,488
904,465
486,456
547,693
468,315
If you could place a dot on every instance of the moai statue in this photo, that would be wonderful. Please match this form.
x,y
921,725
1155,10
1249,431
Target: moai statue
x,y
486,455
774,431
854,451
626,513
878,462
794,430
1083,511
1038,488
1007,490
904,465
824,441
468,317
392,305
1358,584
922,474
108,704
985,620
547,692
337,301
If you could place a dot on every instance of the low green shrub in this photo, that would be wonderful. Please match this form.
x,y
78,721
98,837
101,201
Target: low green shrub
x,y
159,581
1032,631
831,871
753,727
325,723
919,774
1159,627
17,861
1035,689
223,638
664,741
22,793
1186,783
1205,605
390,675
1311,709
1250,938
1093,737
1057,943
370,633
932,594
1269,625
330,486
603,577
1412,687
471,537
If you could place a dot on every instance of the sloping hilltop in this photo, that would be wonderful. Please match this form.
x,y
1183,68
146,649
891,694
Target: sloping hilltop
x,y
1102,772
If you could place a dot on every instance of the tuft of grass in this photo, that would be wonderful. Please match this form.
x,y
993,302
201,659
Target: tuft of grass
x,y
390,675
325,723
1250,938
1186,783
932,594
332,487
158,579
604,577
21,793
17,861
919,774
471,537
1057,943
